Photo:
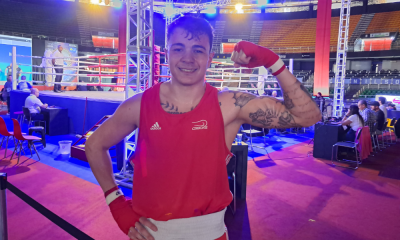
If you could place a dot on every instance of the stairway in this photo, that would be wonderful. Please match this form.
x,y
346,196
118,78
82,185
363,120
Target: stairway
x,y
78,148
352,91
256,30
84,28
361,27
219,32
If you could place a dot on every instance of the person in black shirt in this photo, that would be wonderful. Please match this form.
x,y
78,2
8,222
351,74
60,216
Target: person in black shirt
x,y
380,116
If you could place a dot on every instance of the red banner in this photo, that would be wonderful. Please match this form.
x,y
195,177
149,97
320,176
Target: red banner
x,y
322,42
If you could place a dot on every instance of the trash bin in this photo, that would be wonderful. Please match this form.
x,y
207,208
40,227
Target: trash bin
x,y
65,147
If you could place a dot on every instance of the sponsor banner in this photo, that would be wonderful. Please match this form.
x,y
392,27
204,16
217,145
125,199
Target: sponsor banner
x,y
367,81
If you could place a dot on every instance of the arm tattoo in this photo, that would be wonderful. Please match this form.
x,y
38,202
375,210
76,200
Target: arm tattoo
x,y
287,101
241,99
266,118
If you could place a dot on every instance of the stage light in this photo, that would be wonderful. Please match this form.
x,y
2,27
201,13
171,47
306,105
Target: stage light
x,y
262,3
169,10
95,1
210,10
238,6
117,3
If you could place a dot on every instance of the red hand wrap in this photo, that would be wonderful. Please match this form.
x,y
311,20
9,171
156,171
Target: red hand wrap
x,y
121,210
260,56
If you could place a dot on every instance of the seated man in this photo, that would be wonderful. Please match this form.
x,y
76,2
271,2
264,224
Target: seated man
x,y
24,86
34,104
380,117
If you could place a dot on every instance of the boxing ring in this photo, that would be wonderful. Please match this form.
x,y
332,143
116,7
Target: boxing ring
x,y
85,108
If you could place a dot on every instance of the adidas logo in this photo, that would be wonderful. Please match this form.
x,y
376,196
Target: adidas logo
x,y
155,127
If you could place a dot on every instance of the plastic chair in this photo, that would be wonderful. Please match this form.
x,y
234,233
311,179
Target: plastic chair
x,y
352,145
21,138
6,134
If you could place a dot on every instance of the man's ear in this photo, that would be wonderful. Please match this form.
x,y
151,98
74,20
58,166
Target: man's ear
x,y
210,58
166,53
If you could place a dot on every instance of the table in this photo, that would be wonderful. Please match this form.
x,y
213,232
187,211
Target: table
x,y
325,136
241,151
57,121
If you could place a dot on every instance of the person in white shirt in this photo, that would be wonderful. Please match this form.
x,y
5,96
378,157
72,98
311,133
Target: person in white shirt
x,y
354,120
33,103
382,106
48,67
58,63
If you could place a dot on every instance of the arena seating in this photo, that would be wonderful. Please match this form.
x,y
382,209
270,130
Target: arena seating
x,y
383,74
39,19
368,93
299,32
385,21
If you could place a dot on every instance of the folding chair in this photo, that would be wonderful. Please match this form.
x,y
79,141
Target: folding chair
x,y
352,145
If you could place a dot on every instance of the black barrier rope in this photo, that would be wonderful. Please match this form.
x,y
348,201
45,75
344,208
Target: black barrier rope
x,y
66,226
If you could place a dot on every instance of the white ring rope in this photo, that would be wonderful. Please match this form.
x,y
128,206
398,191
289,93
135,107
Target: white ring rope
x,y
79,57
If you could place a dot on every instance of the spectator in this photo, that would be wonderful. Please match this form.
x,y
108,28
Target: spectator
x,y
380,116
9,71
368,115
274,94
354,120
320,100
391,107
58,63
268,92
24,86
48,67
382,106
278,91
6,92
34,104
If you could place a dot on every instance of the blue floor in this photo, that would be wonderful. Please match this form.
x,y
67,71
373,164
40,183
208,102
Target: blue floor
x,y
51,157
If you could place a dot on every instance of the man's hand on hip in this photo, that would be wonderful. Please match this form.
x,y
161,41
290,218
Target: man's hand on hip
x,y
126,218
140,232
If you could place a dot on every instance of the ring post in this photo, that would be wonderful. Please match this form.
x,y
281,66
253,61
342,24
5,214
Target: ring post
x,y
14,68
3,207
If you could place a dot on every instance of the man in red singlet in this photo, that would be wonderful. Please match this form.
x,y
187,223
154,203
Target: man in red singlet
x,y
180,185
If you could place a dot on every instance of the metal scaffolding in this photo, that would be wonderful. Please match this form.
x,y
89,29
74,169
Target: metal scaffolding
x,y
340,74
139,67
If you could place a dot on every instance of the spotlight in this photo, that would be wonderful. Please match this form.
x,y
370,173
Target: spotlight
x,y
238,6
210,10
261,3
169,10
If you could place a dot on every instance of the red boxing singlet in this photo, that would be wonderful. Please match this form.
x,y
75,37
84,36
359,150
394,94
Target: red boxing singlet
x,y
180,161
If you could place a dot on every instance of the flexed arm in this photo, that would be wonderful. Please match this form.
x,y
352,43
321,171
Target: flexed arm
x,y
297,108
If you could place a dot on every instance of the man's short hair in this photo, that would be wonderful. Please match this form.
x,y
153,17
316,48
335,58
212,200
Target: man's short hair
x,y
375,103
319,93
194,26
363,102
23,76
59,46
382,100
33,90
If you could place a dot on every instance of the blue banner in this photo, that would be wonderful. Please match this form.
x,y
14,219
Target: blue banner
x,y
367,81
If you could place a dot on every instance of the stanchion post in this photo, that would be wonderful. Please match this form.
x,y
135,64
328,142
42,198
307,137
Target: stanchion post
x,y
14,68
3,207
